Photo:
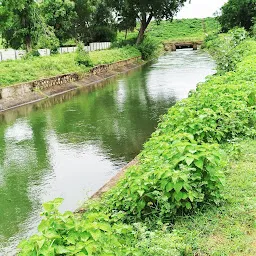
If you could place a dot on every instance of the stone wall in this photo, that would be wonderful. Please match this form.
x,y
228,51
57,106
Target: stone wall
x,y
19,90
172,46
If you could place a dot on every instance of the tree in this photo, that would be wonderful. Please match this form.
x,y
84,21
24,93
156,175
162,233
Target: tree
x,y
94,21
19,22
126,23
238,13
84,10
146,10
61,15
103,23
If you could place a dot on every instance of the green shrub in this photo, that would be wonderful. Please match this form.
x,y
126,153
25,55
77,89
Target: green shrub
x,y
82,56
124,43
210,40
226,50
181,158
31,54
95,233
229,116
49,41
104,34
175,175
148,48
69,234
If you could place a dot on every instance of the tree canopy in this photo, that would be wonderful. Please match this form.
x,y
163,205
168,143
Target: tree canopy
x,y
19,22
33,23
145,11
61,15
49,23
240,13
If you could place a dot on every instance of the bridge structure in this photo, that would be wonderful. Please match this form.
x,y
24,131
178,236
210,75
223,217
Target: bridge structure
x,y
173,46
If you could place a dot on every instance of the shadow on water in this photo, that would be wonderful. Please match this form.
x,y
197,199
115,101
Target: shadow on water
x,y
71,145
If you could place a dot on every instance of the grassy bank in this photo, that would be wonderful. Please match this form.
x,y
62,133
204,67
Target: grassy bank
x,y
231,228
12,72
193,190
18,71
178,30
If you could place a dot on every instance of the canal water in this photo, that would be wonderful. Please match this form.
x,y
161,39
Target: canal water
x,y
71,145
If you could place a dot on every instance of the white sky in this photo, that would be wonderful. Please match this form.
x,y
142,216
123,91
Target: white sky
x,y
200,8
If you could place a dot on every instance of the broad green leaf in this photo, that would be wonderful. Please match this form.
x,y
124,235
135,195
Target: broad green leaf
x,y
84,236
44,225
40,243
61,249
188,205
140,205
181,149
199,163
189,160
178,186
105,227
178,196
169,187
251,99
96,234
141,192
51,235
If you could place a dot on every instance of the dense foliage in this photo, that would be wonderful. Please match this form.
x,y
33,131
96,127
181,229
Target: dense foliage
x,y
66,234
32,24
59,15
181,168
96,234
232,49
82,56
148,48
145,11
241,13
20,23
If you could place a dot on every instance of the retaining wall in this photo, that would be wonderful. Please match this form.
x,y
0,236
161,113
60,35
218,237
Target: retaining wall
x,y
24,89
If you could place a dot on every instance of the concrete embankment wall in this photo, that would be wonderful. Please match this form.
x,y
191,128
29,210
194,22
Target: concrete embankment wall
x,y
25,93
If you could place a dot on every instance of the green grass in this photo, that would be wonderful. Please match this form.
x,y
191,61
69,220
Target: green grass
x,y
12,72
231,228
178,30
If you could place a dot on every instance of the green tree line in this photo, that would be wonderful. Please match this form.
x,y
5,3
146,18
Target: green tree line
x,y
50,23
238,13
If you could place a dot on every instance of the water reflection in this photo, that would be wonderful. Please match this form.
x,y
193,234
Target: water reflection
x,y
72,148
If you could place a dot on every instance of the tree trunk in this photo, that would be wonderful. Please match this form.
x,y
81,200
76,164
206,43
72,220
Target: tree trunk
x,y
28,43
140,37
126,32
144,24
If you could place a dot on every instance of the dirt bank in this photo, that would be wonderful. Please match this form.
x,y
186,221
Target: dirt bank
x,y
34,91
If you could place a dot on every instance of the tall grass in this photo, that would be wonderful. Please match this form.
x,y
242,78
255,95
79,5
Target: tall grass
x,y
12,72
178,30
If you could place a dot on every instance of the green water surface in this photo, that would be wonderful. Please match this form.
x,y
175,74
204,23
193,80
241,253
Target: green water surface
x,y
71,145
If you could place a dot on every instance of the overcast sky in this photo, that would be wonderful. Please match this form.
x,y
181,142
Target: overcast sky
x,y
200,8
